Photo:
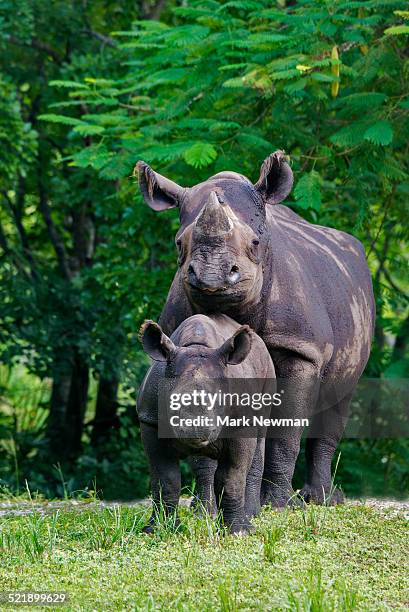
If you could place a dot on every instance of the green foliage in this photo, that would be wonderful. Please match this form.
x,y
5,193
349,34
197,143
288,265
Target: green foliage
x,y
200,154
19,151
397,30
60,119
119,469
308,192
239,87
380,133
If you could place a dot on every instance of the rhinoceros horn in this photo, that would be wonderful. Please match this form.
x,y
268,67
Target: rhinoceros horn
x,y
213,220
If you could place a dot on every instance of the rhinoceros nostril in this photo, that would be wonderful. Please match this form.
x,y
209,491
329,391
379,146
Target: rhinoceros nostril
x,y
234,275
192,276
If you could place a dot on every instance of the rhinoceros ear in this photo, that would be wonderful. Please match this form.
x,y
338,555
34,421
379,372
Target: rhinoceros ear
x,y
276,178
155,343
236,348
159,192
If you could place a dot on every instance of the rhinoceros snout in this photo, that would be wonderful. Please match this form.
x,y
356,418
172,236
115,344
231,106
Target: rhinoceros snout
x,y
210,282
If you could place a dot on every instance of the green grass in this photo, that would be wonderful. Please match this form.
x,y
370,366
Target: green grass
x,y
317,559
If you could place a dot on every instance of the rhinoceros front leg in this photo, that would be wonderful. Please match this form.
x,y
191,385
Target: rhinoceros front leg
x,y
177,307
204,498
230,482
298,381
165,476
328,426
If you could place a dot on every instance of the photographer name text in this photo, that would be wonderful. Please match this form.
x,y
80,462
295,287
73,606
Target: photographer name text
x,y
227,421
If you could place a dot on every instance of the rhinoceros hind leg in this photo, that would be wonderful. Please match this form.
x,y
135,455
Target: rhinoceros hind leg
x,y
280,457
253,481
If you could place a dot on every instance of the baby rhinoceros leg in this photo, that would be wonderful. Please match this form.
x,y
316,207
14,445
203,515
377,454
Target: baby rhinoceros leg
x,y
165,479
230,483
204,499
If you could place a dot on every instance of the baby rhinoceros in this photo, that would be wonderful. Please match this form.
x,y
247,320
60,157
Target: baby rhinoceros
x,y
202,348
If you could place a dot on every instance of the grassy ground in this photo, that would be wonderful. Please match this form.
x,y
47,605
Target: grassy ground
x,y
351,557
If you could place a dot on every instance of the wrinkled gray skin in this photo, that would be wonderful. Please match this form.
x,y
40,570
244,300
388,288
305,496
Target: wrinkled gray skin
x,y
203,348
305,289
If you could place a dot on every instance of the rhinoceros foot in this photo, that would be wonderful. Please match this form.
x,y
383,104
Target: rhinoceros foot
x,y
279,498
243,529
171,523
282,504
321,495
202,507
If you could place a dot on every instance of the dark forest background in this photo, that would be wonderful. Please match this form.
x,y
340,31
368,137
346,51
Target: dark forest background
x,y
193,88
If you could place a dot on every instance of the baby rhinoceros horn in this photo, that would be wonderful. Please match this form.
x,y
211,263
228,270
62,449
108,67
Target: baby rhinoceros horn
x,y
213,220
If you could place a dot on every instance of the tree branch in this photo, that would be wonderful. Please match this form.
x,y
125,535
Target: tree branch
x,y
141,109
39,45
54,234
3,240
374,241
152,10
16,214
107,40
392,283
381,257
8,251
401,342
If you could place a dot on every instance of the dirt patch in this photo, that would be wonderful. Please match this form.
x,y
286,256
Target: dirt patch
x,y
390,507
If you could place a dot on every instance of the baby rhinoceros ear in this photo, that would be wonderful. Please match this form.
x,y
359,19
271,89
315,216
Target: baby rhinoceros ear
x,y
236,348
156,344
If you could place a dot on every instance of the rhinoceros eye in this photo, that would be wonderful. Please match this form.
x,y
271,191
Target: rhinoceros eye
x,y
256,243
179,244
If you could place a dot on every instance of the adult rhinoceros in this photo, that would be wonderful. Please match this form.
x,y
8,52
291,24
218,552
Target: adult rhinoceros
x,y
305,289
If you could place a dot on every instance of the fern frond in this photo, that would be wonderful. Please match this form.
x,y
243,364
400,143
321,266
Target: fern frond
x,y
307,192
